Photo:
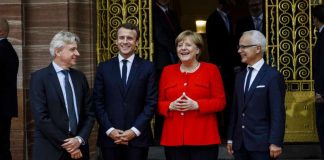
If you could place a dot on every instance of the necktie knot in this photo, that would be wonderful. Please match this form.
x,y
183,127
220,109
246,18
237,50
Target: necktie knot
x,y
124,61
65,72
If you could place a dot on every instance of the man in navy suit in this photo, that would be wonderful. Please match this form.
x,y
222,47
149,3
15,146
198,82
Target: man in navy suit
x,y
257,121
8,89
318,72
125,97
61,105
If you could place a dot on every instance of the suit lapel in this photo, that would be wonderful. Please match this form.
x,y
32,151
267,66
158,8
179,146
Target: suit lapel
x,y
132,73
53,79
256,82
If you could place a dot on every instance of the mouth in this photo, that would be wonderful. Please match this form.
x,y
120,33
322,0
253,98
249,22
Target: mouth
x,y
184,53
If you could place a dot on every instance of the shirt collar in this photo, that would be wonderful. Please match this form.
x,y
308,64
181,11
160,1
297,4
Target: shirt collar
x,y
221,12
260,17
130,59
1,39
257,66
321,28
164,8
57,67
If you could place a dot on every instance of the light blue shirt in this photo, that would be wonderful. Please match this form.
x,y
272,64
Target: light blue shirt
x,y
61,77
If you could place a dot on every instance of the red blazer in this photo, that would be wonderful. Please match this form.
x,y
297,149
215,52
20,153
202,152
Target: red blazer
x,y
192,127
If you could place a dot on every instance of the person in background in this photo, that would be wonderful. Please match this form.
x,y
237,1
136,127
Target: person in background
x,y
166,28
257,122
9,63
125,97
61,104
318,73
190,93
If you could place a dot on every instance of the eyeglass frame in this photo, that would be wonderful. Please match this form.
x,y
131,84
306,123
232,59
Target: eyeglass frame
x,y
246,46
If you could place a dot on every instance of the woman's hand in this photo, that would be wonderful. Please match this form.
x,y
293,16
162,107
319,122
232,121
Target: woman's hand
x,y
184,103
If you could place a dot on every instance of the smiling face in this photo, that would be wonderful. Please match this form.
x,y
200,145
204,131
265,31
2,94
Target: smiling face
x,y
67,55
187,51
250,53
126,42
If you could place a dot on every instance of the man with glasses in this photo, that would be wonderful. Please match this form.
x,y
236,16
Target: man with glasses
x,y
257,120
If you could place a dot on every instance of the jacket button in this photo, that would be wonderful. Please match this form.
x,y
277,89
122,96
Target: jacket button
x,y
243,115
243,126
181,113
185,84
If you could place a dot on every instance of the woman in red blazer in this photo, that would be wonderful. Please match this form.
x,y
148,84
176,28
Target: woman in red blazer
x,y
190,93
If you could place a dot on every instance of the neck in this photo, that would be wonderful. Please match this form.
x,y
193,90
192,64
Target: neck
x,y
189,67
61,64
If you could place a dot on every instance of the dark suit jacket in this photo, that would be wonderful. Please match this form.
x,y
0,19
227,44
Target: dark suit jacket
x,y
8,82
246,24
49,112
164,35
259,120
318,60
221,43
123,108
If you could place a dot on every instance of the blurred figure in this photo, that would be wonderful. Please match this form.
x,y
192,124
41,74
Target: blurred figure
x,y
318,72
9,63
190,94
166,27
125,97
222,51
257,124
61,105
255,21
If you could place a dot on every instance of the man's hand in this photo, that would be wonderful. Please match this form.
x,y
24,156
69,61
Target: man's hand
x,y
128,135
116,135
275,151
71,144
76,154
230,148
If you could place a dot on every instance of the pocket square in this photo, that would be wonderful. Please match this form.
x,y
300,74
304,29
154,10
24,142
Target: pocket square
x,y
260,86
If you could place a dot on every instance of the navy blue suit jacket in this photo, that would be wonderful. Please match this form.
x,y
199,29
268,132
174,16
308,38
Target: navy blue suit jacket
x,y
259,120
123,108
50,115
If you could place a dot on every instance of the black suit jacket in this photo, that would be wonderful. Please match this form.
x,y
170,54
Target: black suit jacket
x,y
246,24
49,112
8,82
221,43
258,120
164,34
123,108
318,67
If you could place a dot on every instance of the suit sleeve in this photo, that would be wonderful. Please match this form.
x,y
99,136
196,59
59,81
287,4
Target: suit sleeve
x,y
277,110
217,100
87,114
43,121
145,117
98,99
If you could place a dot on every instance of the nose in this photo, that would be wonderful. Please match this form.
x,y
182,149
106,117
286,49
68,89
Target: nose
x,y
76,53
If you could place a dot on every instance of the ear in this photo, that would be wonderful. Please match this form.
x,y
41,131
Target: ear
x,y
57,52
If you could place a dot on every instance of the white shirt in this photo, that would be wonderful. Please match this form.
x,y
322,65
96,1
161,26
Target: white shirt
x,y
129,65
256,68
61,77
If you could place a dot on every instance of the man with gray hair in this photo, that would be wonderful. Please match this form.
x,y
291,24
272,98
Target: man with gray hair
x,y
8,89
257,121
61,105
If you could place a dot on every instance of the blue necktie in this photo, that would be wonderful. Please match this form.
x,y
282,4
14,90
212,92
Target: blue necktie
x,y
124,72
248,79
69,98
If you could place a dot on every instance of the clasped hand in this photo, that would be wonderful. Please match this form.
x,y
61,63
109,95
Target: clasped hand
x,y
71,145
122,137
183,103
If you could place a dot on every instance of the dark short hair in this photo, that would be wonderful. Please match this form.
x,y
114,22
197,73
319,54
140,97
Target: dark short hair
x,y
318,12
131,27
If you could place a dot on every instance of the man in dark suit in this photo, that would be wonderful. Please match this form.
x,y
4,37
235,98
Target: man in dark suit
x,y
125,97
318,72
254,21
61,105
8,89
166,28
257,122
222,51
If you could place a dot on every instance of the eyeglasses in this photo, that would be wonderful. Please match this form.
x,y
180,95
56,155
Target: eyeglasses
x,y
246,46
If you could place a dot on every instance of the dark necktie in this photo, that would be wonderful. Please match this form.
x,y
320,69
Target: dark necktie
x,y
70,103
124,72
258,23
248,79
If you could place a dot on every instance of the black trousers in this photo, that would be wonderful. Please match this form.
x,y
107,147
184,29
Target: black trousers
x,y
123,152
320,125
5,125
209,152
243,154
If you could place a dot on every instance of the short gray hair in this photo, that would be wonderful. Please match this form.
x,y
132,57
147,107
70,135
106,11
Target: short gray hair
x,y
257,38
62,38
